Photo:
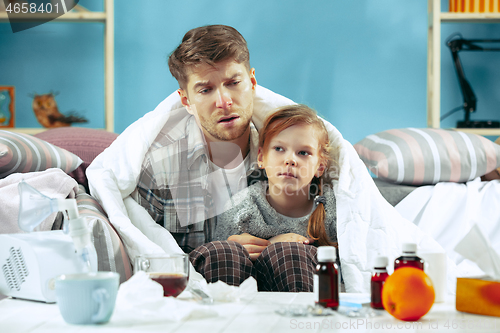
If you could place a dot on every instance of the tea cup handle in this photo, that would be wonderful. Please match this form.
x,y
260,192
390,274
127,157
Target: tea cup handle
x,y
100,296
141,264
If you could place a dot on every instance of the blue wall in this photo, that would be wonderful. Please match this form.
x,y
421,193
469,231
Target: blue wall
x,y
362,64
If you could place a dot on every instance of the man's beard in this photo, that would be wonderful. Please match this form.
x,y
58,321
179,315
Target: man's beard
x,y
227,135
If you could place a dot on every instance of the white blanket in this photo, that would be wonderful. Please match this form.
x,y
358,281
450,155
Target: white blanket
x,y
367,225
447,211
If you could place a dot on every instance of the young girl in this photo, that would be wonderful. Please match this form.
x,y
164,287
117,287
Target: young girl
x,y
293,204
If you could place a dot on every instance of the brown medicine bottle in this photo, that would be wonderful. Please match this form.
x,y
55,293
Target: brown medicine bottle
x,y
326,278
377,283
409,257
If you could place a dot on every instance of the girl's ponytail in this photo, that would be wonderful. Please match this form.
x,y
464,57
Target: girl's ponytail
x,y
316,226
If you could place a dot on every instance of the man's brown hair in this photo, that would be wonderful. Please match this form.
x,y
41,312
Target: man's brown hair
x,y
207,45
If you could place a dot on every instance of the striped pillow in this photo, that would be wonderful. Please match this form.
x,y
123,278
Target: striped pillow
x,y
427,156
22,153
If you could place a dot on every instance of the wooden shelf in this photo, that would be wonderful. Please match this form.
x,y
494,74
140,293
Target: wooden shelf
x,y
480,131
68,17
25,130
435,19
470,17
34,130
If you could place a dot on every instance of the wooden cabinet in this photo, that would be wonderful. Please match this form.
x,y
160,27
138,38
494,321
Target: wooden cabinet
x,y
434,43
81,14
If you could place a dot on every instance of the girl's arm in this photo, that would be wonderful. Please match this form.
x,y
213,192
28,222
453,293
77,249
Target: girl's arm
x,y
291,237
231,226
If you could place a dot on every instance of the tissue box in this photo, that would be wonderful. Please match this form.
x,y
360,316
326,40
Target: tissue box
x,y
480,295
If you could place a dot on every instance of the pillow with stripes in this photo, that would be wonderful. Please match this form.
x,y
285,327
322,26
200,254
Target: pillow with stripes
x,y
426,156
22,153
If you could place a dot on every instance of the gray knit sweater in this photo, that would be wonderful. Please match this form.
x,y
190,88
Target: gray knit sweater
x,y
251,213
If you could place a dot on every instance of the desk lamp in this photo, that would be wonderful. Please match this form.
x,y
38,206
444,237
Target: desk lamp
x,y
457,43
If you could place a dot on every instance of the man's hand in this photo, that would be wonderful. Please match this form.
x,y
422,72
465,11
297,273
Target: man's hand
x,y
254,245
291,237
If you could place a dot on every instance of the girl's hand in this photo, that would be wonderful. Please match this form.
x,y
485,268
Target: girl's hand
x,y
254,245
291,237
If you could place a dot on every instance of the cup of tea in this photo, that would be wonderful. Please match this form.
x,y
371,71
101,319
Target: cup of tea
x,y
169,270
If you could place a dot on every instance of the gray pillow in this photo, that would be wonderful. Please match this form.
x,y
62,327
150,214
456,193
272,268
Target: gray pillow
x,y
426,156
22,153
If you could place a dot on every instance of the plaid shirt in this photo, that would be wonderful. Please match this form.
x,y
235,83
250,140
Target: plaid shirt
x,y
174,184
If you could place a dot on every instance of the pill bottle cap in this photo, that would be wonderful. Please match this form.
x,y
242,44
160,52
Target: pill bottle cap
x,y
409,247
381,261
327,253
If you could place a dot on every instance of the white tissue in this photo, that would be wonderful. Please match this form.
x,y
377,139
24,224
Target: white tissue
x,y
222,292
140,299
476,247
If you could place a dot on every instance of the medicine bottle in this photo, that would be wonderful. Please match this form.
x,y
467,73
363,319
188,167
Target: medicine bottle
x,y
378,279
326,278
409,257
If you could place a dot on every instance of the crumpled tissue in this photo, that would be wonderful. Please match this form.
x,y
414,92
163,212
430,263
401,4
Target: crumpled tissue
x,y
476,247
140,299
480,294
222,292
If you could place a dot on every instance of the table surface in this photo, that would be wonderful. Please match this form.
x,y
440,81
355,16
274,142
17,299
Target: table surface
x,y
255,314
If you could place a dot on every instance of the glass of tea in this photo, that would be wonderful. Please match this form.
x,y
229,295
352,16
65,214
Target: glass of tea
x,y
169,270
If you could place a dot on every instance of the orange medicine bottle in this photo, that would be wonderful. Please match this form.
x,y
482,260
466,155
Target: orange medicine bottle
x,y
378,279
326,278
409,257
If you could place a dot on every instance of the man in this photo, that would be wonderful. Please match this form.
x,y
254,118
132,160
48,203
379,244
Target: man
x,y
187,175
